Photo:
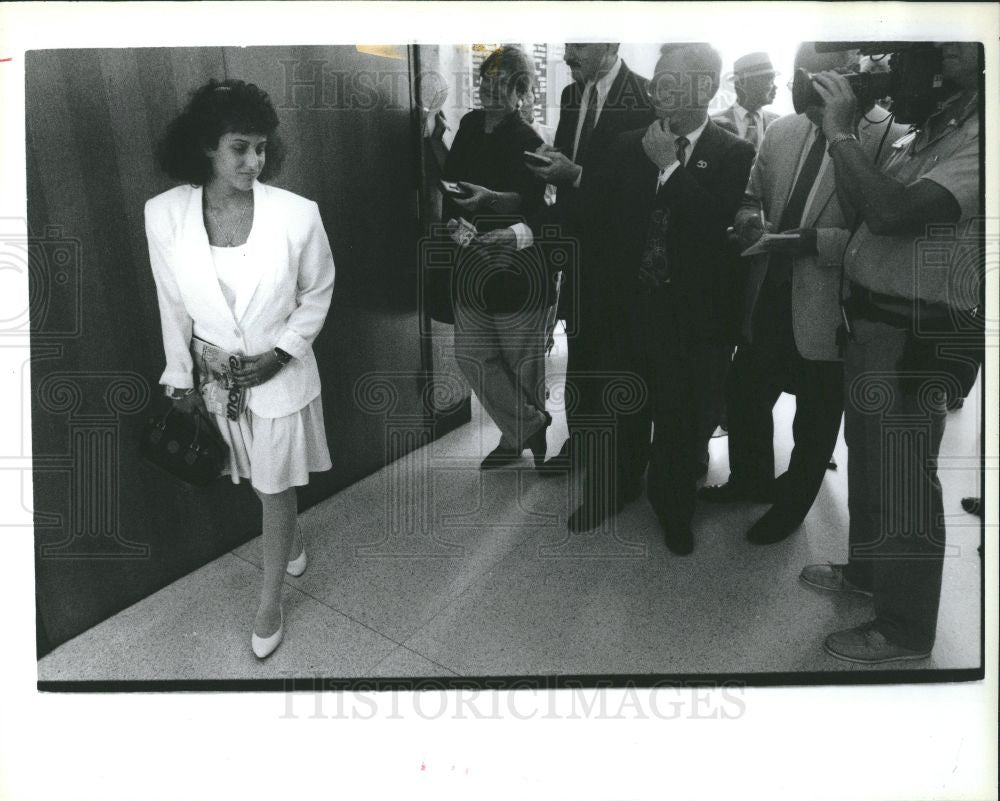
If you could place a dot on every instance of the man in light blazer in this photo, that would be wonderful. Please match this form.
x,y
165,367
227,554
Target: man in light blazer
x,y
792,319
753,80
284,304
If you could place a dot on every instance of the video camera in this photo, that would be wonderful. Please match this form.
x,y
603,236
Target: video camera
x,y
914,81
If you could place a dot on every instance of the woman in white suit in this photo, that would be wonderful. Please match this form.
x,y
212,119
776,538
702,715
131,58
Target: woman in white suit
x,y
246,267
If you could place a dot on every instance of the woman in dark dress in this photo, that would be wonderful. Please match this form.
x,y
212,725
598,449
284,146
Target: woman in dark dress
x,y
500,294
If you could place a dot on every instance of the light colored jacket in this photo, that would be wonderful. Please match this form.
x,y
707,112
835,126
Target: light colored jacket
x,y
286,303
816,279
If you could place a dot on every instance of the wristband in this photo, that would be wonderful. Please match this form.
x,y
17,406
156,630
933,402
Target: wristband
x,y
836,140
283,357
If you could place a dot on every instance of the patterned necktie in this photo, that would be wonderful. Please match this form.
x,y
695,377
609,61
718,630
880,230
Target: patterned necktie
x,y
753,132
588,125
654,269
680,144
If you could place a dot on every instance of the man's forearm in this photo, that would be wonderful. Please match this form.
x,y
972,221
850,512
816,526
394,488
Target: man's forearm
x,y
871,194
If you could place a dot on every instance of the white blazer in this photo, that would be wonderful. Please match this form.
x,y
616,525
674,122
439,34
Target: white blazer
x,y
285,306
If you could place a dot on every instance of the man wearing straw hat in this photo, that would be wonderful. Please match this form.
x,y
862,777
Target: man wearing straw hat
x,y
753,79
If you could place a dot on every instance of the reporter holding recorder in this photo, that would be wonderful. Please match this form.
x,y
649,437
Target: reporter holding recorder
x,y
244,270
899,311
499,294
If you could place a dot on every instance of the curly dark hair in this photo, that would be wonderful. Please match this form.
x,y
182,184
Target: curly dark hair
x,y
512,66
218,107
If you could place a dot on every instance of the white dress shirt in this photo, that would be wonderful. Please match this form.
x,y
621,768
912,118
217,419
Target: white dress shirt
x,y
603,87
742,123
692,138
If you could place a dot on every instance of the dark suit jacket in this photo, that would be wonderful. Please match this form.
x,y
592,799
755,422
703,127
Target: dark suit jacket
x,y
626,108
702,198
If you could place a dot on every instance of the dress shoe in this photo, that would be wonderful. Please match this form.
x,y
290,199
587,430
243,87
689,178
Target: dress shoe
x,y
537,443
830,577
867,645
500,456
973,505
263,647
560,463
297,566
679,539
774,526
732,492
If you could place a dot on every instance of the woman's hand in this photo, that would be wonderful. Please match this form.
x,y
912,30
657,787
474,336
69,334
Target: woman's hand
x,y
476,198
500,239
256,370
440,125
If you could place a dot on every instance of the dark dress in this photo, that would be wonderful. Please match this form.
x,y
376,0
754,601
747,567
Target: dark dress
x,y
495,160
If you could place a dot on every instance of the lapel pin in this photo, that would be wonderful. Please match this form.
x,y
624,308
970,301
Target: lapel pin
x,y
702,164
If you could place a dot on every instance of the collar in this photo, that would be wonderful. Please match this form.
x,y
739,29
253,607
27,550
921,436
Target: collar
x,y
694,136
605,81
957,117
741,112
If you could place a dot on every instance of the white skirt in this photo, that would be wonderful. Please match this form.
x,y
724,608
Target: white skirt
x,y
275,453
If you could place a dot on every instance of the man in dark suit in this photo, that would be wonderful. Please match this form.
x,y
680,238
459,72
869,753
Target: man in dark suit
x,y
666,196
605,99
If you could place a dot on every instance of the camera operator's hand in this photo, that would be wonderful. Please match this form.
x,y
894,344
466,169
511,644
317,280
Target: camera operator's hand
x,y
839,104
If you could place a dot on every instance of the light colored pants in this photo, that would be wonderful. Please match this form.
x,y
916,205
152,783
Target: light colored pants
x,y
502,356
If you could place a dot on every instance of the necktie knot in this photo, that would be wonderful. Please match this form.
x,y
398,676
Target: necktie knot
x,y
680,144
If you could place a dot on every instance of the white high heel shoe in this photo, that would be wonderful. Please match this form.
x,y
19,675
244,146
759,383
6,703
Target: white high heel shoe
x,y
264,646
297,566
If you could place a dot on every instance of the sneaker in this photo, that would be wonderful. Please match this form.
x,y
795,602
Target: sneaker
x,y
831,578
867,645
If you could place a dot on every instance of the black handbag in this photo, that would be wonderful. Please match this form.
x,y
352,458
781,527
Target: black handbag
x,y
185,444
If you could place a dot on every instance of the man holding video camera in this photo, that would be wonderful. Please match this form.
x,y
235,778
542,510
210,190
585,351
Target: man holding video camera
x,y
898,313
792,313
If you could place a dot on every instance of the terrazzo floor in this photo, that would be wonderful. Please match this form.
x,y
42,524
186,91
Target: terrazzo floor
x,y
496,585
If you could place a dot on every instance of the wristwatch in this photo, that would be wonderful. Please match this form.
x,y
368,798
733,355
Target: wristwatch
x,y
283,357
176,394
837,139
